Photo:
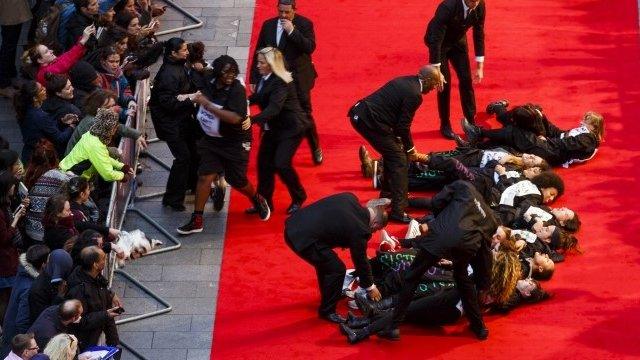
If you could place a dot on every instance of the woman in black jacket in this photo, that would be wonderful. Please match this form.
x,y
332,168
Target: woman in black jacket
x,y
174,123
59,100
283,122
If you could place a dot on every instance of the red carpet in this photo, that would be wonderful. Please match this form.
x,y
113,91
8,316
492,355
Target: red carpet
x,y
569,56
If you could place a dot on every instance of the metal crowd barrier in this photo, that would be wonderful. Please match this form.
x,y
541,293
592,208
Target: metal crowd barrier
x,y
121,203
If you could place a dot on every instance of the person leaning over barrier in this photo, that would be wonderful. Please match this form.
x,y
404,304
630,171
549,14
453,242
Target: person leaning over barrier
x,y
90,156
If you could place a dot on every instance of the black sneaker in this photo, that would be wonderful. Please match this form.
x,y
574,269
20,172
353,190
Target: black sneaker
x,y
193,226
217,195
261,207
493,107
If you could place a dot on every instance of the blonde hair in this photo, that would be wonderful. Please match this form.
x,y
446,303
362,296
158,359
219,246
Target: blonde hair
x,y
505,272
597,121
274,58
62,347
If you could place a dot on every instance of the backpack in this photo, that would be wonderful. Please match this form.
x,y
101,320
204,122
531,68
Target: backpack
x,y
47,29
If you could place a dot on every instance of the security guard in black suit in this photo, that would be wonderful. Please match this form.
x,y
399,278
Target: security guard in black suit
x,y
336,221
386,115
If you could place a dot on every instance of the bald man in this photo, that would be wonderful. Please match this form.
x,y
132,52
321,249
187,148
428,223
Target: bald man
x,y
384,120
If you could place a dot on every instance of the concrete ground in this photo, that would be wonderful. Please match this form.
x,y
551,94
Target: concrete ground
x,y
188,277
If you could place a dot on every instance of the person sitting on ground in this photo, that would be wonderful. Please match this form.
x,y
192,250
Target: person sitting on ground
x,y
56,319
23,347
62,347
39,59
36,124
90,156
50,287
16,320
100,305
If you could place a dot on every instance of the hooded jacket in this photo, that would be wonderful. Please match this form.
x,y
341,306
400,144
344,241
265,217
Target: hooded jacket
x,y
44,290
91,157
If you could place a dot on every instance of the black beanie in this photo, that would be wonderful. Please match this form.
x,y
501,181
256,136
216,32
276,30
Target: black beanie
x,y
82,75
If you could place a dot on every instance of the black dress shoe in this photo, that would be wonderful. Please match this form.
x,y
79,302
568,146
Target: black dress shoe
x,y
472,131
293,208
175,207
334,318
460,142
389,334
481,331
354,335
355,322
447,132
401,218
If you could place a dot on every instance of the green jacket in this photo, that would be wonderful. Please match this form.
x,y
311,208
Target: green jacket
x,y
85,124
91,149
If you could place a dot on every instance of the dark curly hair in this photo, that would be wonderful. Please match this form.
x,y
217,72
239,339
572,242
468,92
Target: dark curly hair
x,y
549,179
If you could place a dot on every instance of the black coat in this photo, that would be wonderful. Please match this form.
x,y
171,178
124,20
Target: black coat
x,y
171,118
75,27
448,29
461,232
280,109
391,108
336,221
42,295
296,48
59,107
47,326
96,299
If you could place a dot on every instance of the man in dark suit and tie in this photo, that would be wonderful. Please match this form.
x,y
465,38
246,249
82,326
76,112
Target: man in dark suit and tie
x,y
336,221
384,117
447,42
293,35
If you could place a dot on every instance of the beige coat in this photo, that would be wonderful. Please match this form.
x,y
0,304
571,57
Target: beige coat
x,y
13,12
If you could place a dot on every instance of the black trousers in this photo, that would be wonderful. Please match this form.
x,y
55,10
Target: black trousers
x,y
275,156
459,57
435,310
184,170
330,271
395,165
422,262
311,134
10,37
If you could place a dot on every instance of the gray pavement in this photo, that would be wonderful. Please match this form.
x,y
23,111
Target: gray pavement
x,y
188,277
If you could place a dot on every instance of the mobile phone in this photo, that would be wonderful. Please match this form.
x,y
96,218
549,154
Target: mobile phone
x,y
18,209
119,310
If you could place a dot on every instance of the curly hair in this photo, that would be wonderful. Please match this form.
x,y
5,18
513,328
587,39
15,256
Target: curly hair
x,y
549,179
505,272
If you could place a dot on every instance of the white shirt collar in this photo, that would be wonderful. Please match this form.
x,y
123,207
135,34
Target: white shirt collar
x,y
464,8
266,77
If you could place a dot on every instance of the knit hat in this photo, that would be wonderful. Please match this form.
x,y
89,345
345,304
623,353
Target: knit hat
x,y
82,76
106,121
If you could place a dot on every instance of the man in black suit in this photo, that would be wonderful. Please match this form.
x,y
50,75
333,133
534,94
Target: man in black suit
x,y
447,42
461,231
336,221
293,35
384,117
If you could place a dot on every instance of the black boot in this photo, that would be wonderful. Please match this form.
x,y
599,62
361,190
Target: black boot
x,y
354,335
373,308
481,332
355,322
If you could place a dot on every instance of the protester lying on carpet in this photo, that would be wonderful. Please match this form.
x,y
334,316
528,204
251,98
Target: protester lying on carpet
x,y
556,146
